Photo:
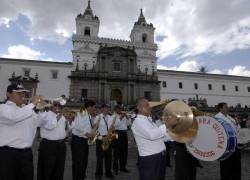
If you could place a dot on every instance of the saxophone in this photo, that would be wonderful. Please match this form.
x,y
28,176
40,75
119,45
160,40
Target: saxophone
x,y
95,132
110,135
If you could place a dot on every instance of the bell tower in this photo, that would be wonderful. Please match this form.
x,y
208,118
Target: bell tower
x,y
87,24
142,32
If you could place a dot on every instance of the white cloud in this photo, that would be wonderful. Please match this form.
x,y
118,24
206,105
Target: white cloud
x,y
216,71
22,52
4,21
189,65
239,71
190,27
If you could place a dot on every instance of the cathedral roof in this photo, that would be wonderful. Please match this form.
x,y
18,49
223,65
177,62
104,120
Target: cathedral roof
x,y
142,21
88,13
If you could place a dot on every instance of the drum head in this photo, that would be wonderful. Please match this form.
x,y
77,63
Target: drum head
x,y
211,140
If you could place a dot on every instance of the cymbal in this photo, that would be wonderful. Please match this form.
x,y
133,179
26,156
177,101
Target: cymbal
x,y
186,136
178,116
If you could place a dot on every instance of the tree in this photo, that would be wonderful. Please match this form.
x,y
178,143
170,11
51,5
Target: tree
x,y
203,69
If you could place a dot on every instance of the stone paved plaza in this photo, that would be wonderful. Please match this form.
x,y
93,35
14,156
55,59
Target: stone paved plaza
x,y
209,172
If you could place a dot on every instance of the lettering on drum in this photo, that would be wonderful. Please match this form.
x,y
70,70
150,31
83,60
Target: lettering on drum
x,y
211,140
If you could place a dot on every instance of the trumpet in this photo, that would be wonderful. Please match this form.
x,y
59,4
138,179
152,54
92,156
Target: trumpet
x,y
47,102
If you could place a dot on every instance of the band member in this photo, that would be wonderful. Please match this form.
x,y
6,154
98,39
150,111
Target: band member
x,y
105,125
120,145
18,125
149,140
52,149
230,168
81,131
167,142
185,163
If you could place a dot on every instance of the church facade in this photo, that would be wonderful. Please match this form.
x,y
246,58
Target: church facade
x,y
110,69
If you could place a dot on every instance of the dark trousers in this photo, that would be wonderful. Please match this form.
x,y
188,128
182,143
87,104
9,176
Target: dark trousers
x,y
51,160
120,147
80,151
168,145
103,155
230,168
16,164
152,167
185,163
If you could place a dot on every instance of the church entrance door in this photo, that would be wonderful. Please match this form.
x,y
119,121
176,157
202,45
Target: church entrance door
x,y
116,95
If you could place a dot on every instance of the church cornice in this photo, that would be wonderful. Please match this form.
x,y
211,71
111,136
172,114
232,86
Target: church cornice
x,y
113,42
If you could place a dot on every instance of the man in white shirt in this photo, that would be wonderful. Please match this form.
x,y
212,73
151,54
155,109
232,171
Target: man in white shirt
x,y
81,131
104,125
18,125
52,149
120,145
149,139
230,168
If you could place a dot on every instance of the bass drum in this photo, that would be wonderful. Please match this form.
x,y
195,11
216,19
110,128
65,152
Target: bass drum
x,y
215,140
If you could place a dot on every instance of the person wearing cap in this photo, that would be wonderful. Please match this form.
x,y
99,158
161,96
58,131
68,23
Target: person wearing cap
x,y
120,145
150,142
104,125
230,168
52,149
81,131
18,125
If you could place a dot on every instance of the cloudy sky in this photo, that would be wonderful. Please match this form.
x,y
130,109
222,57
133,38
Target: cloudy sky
x,y
189,33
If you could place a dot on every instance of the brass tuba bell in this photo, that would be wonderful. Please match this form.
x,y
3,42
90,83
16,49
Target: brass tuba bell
x,y
180,122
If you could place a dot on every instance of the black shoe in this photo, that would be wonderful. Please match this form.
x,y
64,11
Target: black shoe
x,y
111,176
116,171
125,170
98,177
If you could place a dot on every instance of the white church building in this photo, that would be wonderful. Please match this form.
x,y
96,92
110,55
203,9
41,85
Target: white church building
x,y
106,69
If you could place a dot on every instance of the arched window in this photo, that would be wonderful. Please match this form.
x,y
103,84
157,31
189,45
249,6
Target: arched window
x,y
87,31
144,38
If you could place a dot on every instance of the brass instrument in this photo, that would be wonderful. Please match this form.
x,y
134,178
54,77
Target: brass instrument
x,y
47,103
197,112
95,132
110,135
68,113
180,122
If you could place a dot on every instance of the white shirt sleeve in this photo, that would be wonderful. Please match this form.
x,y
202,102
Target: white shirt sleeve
x,y
148,131
11,115
47,120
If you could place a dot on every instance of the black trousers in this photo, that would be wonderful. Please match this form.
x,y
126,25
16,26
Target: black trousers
x,y
120,147
16,164
103,155
51,160
185,163
230,169
152,167
168,145
80,153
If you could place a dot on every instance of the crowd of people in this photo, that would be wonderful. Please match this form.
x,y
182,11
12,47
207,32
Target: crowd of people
x,y
19,123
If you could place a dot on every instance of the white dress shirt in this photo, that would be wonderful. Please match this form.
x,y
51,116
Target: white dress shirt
x,y
148,136
122,123
82,125
166,138
104,124
18,125
56,133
